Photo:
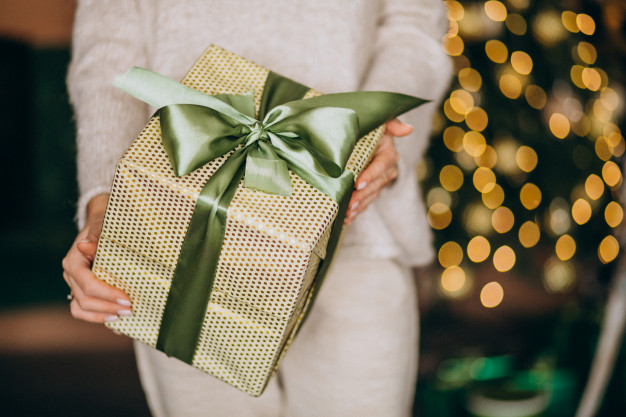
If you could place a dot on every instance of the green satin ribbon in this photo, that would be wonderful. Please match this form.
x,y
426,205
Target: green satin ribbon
x,y
313,138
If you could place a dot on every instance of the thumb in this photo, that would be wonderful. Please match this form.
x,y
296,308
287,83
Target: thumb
x,y
396,128
89,244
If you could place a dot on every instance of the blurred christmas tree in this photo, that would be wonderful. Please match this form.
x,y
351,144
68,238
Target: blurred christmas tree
x,y
521,177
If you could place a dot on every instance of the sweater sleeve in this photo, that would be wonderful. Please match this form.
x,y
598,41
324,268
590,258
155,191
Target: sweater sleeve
x,y
108,38
409,58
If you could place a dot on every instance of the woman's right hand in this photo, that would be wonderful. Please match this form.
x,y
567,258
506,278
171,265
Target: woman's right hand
x,y
92,299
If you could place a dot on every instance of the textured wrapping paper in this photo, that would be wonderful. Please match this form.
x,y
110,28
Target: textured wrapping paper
x,y
270,254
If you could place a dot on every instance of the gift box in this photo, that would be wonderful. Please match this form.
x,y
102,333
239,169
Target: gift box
x,y
236,320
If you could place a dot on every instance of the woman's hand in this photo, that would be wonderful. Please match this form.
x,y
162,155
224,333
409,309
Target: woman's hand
x,y
381,171
92,299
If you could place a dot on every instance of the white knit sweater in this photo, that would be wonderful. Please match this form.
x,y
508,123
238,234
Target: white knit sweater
x,y
330,45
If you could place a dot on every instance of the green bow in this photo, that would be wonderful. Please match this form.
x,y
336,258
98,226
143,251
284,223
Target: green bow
x,y
313,138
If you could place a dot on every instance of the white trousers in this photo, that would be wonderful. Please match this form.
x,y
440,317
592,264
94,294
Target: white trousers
x,y
355,356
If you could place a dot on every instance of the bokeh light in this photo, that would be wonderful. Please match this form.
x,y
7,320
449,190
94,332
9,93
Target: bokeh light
x,y
529,234
592,79
526,158
521,62
477,119
494,198
453,45
559,125
535,96
451,177
568,18
438,195
477,219
504,258
496,51
502,219
450,254
474,143
470,79
586,24
439,216
461,101
558,216
510,85
516,24
453,279
478,249
611,174
495,10
558,276
613,214
530,196
488,159
565,247
484,179
586,52
453,138
594,186
491,295
608,249
581,211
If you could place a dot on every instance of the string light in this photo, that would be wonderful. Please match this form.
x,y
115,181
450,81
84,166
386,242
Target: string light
x,y
491,295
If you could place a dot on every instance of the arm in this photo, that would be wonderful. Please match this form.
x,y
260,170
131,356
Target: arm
x,y
108,38
408,58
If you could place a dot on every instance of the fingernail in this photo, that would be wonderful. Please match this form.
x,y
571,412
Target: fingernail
x,y
352,214
123,302
124,313
111,319
361,185
354,205
411,126
83,241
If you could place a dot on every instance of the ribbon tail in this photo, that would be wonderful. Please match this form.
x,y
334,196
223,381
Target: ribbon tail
x,y
193,279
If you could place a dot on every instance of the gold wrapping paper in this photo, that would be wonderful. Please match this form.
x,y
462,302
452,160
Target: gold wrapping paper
x,y
272,245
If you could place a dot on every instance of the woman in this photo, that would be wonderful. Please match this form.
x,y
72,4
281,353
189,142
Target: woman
x,y
356,355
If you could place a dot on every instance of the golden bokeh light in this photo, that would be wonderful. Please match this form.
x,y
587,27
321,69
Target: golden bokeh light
x,y
569,21
521,62
611,174
470,79
494,198
488,158
591,79
526,158
565,247
504,258
453,279
581,211
586,24
495,10
477,119
450,254
530,196
491,295
453,45
506,148
451,177
456,10
516,24
439,216
477,219
536,96
529,234
558,276
496,51
453,28
451,114
559,125
613,214
602,148
478,249
610,98
474,143
594,186
576,74
586,52
461,101
502,219
608,249
438,195
510,85
465,161
601,111
453,138
547,28
484,179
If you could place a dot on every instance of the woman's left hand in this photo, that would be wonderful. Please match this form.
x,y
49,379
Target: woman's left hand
x,y
381,171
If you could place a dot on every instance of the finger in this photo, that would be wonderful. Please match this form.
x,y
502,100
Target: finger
x,y
396,128
91,286
88,248
97,305
90,316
